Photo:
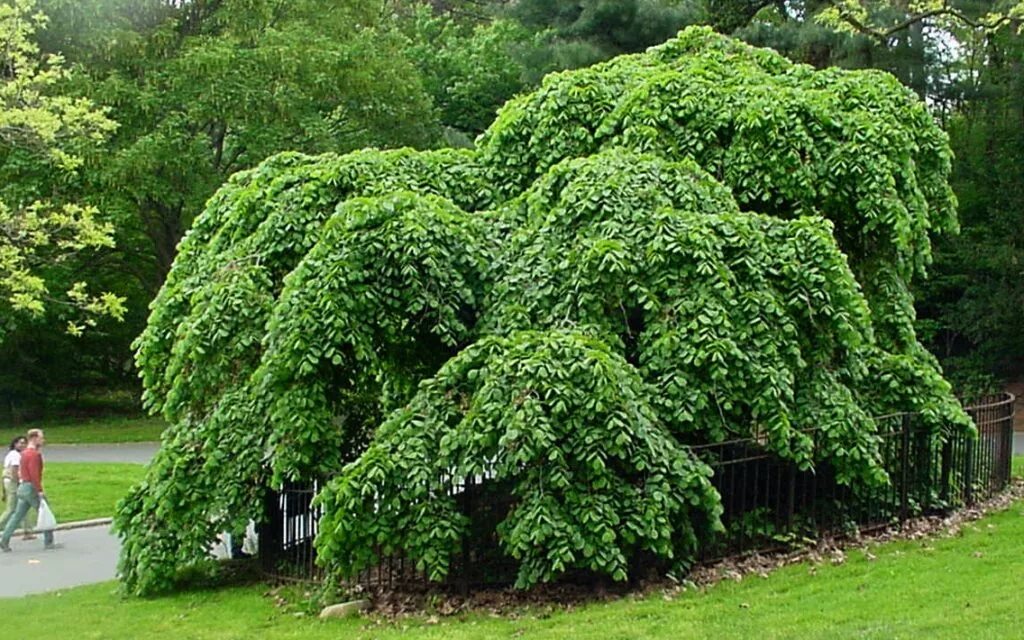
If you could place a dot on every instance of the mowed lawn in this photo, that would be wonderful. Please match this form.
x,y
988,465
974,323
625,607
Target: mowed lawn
x,y
84,491
965,586
87,490
102,430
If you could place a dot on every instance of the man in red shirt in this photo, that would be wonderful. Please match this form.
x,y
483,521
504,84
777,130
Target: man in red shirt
x,y
30,490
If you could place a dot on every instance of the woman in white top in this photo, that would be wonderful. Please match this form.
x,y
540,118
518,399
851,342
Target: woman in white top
x,y
12,462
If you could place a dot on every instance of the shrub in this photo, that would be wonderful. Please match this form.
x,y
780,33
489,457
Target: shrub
x,y
689,245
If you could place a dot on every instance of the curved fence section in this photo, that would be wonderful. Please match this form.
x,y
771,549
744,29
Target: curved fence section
x,y
769,503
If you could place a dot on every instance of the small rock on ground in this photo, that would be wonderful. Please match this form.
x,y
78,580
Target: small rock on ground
x,y
345,609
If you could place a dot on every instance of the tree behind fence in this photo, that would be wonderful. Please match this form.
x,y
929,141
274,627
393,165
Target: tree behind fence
x,y
769,504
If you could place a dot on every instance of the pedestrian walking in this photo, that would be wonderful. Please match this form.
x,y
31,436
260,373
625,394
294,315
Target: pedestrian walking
x,y
12,462
30,488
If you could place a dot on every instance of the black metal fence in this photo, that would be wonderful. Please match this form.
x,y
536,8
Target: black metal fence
x,y
286,535
769,503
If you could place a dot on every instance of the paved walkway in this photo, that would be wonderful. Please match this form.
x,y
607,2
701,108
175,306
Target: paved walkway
x,y
88,556
135,452
1018,443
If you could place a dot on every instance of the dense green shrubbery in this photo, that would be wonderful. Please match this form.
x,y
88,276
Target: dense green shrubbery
x,y
567,422
562,312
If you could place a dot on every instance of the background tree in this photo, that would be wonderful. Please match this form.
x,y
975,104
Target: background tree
x,y
43,140
217,86
470,67
589,31
201,90
972,305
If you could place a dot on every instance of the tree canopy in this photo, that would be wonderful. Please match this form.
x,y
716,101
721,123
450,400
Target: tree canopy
x,y
696,243
43,136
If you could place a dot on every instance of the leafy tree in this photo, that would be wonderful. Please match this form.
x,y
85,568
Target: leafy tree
x,y
476,55
471,69
205,89
972,305
882,20
196,369
968,73
675,248
201,90
562,417
599,29
43,137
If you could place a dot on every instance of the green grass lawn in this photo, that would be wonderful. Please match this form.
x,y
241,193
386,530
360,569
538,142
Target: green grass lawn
x,y
86,490
104,430
968,586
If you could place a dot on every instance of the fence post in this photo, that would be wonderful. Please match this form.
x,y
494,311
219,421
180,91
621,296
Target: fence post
x,y
923,482
791,475
1007,448
947,470
270,529
467,509
969,471
905,468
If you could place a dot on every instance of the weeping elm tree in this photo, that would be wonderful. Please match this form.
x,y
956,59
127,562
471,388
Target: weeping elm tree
x,y
694,244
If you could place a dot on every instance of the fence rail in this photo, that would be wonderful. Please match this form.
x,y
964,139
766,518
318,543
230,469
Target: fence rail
x,y
769,503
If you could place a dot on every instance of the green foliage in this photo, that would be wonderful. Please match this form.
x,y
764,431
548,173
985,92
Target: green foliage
x,y
975,300
856,148
202,90
204,340
745,324
43,136
788,140
253,234
205,479
559,314
386,295
470,71
882,19
591,30
594,475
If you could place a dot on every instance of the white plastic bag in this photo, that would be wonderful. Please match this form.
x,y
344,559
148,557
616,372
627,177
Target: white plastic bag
x,y
46,521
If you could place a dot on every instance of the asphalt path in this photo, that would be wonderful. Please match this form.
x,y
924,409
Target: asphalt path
x,y
134,452
1018,443
86,556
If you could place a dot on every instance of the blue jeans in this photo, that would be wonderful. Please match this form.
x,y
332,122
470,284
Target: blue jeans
x,y
27,499
11,501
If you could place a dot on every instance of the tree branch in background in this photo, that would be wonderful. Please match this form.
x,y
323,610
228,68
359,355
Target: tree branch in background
x,y
36,232
854,16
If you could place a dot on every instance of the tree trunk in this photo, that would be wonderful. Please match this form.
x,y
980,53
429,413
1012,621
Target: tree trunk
x,y
165,228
